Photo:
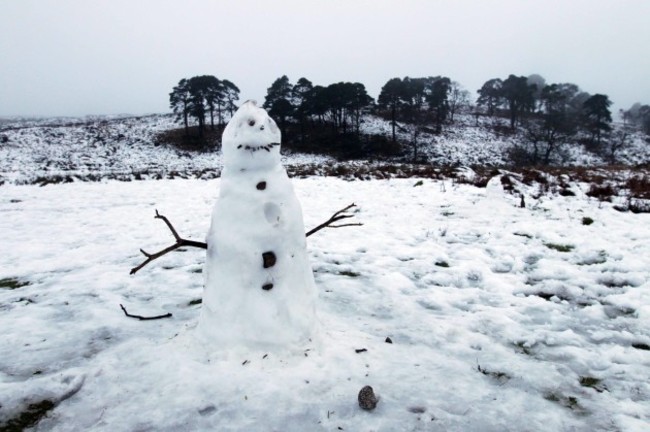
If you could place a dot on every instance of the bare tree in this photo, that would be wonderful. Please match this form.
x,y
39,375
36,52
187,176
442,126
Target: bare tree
x,y
459,98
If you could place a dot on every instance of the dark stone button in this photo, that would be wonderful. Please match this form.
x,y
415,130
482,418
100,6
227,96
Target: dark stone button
x,y
261,185
269,260
267,286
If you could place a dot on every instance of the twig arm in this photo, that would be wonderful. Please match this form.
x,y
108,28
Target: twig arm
x,y
180,242
337,216
343,210
169,225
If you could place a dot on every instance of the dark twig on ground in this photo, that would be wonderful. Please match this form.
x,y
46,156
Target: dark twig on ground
x,y
143,318
181,242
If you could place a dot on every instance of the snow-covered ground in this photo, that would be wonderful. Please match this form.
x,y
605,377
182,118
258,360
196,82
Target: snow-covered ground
x,y
501,318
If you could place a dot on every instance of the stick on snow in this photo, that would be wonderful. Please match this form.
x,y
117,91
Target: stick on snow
x,y
143,318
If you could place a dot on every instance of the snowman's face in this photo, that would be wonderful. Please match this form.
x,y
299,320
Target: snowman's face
x,y
251,139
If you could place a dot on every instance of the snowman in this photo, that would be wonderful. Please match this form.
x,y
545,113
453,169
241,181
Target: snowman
x,y
259,287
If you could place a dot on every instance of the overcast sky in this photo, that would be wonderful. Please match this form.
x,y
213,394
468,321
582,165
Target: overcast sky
x,y
78,57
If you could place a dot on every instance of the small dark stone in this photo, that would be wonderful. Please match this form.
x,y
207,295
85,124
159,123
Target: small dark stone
x,y
210,409
267,286
360,350
367,399
268,259
417,410
261,185
389,340
251,122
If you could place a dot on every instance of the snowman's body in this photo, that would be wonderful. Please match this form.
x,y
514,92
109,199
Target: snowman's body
x,y
259,286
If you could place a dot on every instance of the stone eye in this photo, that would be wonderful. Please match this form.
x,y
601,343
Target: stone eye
x,y
251,122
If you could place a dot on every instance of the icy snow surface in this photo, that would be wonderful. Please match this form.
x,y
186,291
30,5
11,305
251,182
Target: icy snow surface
x,y
501,318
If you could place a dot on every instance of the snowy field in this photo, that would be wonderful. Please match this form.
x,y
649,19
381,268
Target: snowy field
x,y
501,318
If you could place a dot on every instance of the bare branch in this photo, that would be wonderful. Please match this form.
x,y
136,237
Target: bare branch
x,y
343,210
339,215
143,318
180,242
169,225
345,225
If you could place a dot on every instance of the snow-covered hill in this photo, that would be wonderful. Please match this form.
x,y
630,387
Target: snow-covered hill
x,y
124,148
119,148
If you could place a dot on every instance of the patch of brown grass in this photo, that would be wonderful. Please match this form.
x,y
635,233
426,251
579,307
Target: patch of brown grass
x,y
190,141
639,186
602,192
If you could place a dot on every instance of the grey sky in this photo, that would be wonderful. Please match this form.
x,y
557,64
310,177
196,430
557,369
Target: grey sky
x,y
76,57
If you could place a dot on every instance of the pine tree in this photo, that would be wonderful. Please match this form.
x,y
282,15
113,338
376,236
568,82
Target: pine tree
x,y
438,100
491,95
179,100
278,101
519,96
391,98
597,116
300,98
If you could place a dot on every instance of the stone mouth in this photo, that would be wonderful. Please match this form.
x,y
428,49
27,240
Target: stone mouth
x,y
254,148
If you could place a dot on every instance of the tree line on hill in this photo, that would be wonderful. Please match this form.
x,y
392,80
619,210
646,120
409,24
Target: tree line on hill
x,y
328,118
197,96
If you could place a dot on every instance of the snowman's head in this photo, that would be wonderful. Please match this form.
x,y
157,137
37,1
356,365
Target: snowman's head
x,y
251,140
